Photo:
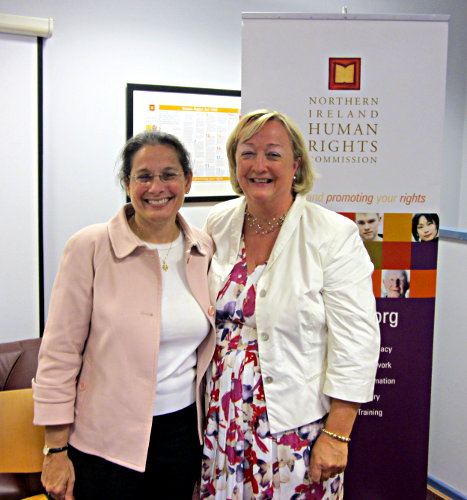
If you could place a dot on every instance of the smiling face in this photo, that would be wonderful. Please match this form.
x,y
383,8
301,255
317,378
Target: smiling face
x,y
266,167
367,225
157,203
426,229
395,283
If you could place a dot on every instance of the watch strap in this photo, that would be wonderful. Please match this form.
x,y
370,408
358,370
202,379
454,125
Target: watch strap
x,y
48,451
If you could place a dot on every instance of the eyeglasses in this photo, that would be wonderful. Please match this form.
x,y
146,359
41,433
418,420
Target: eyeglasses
x,y
165,177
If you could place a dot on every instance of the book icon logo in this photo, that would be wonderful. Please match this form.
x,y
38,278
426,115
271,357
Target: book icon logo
x,y
344,73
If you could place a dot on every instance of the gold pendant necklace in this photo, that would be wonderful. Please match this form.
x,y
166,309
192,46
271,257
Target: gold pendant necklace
x,y
164,266
135,229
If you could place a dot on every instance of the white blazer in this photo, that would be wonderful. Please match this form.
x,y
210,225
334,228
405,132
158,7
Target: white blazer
x,y
318,334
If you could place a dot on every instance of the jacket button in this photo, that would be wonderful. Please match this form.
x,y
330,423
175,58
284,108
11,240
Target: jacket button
x,y
265,336
211,310
262,293
268,380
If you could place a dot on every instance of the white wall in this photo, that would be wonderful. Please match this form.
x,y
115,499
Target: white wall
x,y
98,47
19,269
463,185
448,437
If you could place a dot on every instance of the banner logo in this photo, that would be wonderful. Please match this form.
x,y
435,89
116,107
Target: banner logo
x,y
344,73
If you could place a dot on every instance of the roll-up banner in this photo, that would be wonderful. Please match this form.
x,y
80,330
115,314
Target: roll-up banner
x,y
368,94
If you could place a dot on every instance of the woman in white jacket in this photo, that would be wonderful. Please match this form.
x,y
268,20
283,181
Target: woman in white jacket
x,y
297,334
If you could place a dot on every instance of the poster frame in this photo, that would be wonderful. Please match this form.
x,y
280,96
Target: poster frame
x,y
133,88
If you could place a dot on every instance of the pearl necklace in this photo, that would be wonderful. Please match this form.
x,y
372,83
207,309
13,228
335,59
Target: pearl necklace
x,y
264,226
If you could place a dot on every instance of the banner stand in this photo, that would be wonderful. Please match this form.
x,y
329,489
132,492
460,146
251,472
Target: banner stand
x,y
368,93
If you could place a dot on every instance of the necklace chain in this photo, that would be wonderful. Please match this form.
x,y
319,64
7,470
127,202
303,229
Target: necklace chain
x,y
164,265
264,226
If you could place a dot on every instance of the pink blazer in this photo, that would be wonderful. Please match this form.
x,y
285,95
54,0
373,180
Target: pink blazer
x,y
98,358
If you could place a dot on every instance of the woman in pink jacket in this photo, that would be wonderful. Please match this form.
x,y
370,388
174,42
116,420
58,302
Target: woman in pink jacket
x,y
128,339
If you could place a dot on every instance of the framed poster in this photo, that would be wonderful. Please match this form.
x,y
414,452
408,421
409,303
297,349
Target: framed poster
x,y
201,118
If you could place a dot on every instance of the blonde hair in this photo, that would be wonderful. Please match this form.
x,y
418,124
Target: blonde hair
x,y
252,123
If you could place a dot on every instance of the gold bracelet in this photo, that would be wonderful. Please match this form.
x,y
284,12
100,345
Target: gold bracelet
x,y
336,436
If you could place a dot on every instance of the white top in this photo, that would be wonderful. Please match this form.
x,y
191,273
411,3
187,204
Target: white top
x,y
183,328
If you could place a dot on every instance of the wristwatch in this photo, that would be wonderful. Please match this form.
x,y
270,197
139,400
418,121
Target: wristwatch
x,y
48,451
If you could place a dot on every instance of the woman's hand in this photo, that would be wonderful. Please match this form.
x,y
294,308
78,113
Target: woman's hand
x,y
58,476
58,473
329,455
328,458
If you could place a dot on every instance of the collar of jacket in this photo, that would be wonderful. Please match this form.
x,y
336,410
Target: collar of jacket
x,y
124,241
290,224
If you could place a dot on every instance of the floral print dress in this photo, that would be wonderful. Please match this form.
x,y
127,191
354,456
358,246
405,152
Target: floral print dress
x,y
242,460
